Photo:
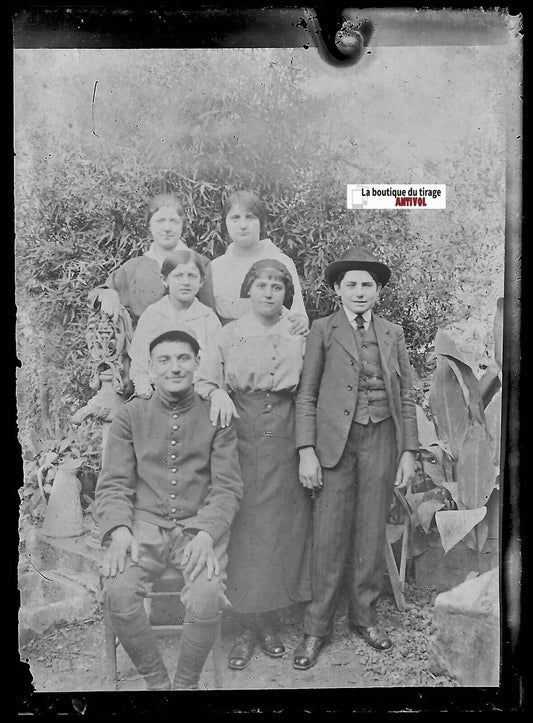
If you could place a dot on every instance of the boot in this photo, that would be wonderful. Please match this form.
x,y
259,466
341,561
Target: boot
x,y
139,642
196,641
267,634
244,643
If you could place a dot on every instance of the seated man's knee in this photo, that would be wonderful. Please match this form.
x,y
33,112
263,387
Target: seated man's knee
x,y
122,595
204,599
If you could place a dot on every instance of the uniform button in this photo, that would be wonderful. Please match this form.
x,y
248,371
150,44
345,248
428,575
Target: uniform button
x,y
174,416
172,456
173,441
173,509
174,482
351,363
346,411
349,387
269,406
174,427
173,469
172,497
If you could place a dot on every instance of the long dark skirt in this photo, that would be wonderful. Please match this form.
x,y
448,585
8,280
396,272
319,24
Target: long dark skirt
x,y
270,541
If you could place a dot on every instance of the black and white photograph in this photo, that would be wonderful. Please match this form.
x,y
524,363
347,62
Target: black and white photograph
x,y
267,328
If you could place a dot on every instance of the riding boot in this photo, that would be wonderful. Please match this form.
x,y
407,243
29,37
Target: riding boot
x,y
196,641
139,642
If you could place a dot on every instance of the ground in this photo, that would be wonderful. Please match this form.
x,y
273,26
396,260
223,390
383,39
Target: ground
x,y
72,658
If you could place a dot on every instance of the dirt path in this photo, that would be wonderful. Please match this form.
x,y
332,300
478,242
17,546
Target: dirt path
x,y
72,658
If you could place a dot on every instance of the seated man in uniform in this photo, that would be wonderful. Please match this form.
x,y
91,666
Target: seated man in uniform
x,y
168,492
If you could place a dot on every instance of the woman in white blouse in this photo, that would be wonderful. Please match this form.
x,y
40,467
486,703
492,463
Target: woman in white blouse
x,y
250,372
244,217
182,275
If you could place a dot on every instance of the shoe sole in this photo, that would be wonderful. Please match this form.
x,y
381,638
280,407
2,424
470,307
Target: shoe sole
x,y
273,655
304,667
239,667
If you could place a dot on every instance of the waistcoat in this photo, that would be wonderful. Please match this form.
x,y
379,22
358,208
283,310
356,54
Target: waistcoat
x,y
372,403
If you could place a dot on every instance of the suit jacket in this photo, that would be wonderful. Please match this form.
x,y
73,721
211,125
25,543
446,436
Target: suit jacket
x,y
327,394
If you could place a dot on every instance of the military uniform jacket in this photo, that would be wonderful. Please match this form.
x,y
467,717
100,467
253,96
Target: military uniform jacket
x,y
166,464
327,394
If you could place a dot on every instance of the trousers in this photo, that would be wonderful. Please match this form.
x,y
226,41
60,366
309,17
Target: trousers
x,y
203,599
349,527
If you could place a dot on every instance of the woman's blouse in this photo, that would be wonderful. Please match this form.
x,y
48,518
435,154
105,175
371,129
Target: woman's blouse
x,y
226,274
161,317
246,356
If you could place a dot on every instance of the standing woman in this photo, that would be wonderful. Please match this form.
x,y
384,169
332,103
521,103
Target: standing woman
x,y
244,217
183,275
137,283
251,371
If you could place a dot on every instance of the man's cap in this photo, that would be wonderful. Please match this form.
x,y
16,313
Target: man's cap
x,y
186,335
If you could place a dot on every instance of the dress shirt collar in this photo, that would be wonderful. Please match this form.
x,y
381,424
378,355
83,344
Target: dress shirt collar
x,y
367,316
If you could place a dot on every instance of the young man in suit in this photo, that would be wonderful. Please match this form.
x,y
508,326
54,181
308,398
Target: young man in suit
x,y
357,436
167,495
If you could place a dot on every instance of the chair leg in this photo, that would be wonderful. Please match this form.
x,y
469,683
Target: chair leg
x,y
405,551
217,658
397,587
110,650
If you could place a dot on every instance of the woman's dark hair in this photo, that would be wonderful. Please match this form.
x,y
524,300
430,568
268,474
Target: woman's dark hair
x,y
250,202
278,269
166,199
182,256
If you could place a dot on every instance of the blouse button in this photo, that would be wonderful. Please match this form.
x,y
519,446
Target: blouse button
x,y
172,456
173,509
346,411
269,406
173,441
174,427
174,416
349,387
174,469
173,482
172,497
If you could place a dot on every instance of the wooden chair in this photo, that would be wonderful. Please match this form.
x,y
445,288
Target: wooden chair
x,y
172,579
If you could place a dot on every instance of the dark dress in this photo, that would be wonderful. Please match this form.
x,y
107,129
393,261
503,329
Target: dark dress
x,y
269,548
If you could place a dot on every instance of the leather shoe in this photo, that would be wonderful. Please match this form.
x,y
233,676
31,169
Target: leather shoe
x,y
271,643
374,636
306,653
242,649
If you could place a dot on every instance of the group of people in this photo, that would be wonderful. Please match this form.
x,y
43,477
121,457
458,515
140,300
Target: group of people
x,y
256,455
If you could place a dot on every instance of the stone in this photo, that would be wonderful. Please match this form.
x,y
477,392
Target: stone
x,y
466,642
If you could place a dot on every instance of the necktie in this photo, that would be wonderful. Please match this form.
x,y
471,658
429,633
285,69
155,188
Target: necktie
x,y
360,324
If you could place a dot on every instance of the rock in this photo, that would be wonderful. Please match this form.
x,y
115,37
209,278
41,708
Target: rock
x,y
466,643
